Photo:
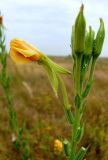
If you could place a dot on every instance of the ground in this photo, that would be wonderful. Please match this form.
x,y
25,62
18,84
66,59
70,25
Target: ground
x,y
35,101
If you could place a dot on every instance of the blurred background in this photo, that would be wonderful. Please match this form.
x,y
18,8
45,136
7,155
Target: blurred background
x,y
47,24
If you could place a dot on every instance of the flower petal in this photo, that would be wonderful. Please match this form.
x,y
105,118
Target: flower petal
x,y
25,53
17,57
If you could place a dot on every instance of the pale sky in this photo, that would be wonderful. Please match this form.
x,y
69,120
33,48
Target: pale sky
x,y
47,23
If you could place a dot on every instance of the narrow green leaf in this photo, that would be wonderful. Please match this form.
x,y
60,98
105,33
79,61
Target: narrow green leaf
x,y
81,154
87,89
66,147
70,115
77,101
52,77
79,134
67,107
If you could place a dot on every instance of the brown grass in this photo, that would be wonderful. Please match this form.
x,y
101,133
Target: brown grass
x,y
35,101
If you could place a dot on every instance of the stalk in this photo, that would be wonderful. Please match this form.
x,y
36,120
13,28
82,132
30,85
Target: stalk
x,y
78,71
73,142
92,69
78,110
90,79
20,143
78,114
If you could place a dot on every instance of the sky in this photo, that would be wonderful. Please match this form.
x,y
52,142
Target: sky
x,y
47,23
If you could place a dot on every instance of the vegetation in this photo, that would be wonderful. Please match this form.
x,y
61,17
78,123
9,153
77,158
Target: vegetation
x,y
45,120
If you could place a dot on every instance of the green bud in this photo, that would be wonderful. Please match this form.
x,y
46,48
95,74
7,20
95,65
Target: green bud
x,y
99,39
89,39
80,29
73,41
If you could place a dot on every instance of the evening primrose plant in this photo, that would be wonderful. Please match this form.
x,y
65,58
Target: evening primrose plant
x,y
6,79
86,47
19,139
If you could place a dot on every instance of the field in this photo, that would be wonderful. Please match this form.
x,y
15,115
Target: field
x,y
35,102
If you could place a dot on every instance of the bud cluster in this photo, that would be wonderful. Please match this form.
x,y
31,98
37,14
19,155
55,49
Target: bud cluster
x,y
86,48
84,42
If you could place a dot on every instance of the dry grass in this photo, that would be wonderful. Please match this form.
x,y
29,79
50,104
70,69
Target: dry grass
x,y
35,101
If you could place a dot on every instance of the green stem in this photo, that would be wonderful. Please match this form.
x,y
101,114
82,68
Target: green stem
x,y
73,141
67,107
78,71
74,72
92,69
90,79
85,65
78,111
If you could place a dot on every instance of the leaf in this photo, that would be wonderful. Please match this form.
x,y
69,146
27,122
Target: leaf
x,y
58,68
81,154
77,101
54,81
84,66
52,75
79,134
62,70
70,116
66,145
87,89
67,106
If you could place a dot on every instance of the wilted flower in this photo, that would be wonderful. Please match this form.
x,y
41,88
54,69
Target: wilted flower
x,y
58,147
1,20
22,52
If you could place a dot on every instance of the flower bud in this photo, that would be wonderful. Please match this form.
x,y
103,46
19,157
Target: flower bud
x,y
99,39
58,147
80,28
89,39
73,41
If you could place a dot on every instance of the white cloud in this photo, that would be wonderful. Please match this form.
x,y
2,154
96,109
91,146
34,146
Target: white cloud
x,y
50,21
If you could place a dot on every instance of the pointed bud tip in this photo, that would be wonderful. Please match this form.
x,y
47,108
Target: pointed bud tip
x,y
82,7
90,28
80,29
101,20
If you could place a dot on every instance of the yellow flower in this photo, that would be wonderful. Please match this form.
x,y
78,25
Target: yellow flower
x,y
58,147
22,52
